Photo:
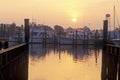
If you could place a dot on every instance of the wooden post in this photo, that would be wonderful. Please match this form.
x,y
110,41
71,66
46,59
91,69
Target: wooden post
x,y
45,35
2,30
104,66
105,31
54,37
76,38
0,45
26,30
5,44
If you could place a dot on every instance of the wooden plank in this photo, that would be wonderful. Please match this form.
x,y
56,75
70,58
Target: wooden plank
x,y
11,48
112,45
113,49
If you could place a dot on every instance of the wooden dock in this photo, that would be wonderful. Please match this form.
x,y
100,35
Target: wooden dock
x,y
112,49
10,54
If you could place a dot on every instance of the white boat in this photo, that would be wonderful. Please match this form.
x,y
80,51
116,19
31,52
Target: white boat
x,y
40,34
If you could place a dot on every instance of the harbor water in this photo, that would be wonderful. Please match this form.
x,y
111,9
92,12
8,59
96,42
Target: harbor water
x,y
65,62
61,62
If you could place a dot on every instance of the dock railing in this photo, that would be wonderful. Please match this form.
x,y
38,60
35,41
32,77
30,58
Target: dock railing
x,y
112,49
10,54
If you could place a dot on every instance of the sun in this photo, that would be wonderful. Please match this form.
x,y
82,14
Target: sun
x,y
74,19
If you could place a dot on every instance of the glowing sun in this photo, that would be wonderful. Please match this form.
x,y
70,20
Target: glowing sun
x,y
74,19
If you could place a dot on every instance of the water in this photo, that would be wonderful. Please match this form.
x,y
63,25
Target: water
x,y
61,63
64,62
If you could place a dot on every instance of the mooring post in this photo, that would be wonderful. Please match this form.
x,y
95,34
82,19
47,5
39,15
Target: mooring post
x,y
5,44
26,22
76,38
73,38
105,33
0,45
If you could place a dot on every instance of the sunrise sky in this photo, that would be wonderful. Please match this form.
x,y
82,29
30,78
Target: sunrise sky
x,y
62,12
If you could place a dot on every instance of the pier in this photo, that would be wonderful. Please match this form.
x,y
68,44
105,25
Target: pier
x,y
9,53
11,57
112,49
108,45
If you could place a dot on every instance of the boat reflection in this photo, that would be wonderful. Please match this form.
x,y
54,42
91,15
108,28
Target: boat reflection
x,y
15,69
79,53
110,67
64,62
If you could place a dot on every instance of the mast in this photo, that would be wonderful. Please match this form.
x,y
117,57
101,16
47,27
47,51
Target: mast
x,y
114,22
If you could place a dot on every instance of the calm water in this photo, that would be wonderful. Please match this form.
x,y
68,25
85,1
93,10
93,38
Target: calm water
x,y
64,62
60,63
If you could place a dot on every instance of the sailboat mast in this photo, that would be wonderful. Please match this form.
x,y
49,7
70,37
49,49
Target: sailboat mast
x,y
114,22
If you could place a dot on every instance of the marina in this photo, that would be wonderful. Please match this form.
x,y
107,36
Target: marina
x,y
84,50
70,57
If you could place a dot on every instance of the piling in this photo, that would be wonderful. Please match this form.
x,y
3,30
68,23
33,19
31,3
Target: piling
x,y
5,45
26,22
0,45
105,31
76,38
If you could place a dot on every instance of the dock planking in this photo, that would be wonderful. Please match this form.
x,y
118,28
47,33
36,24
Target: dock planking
x,y
12,53
12,48
112,49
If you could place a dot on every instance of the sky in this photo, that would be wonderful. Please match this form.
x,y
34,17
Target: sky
x,y
61,12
